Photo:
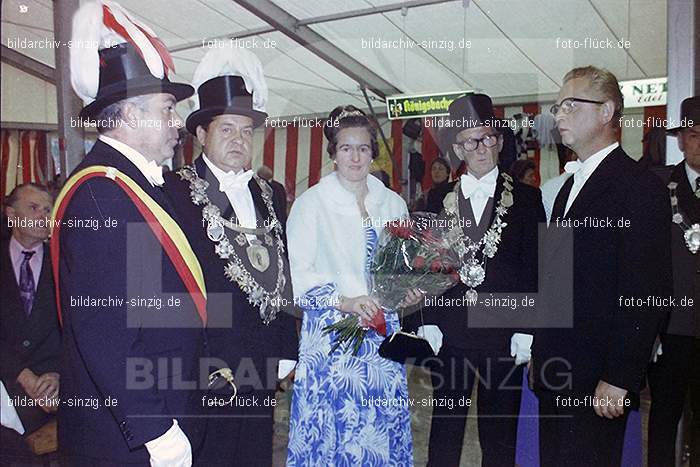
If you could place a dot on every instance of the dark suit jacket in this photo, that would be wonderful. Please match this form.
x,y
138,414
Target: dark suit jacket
x,y
236,334
608,341
684,320
512,270
144,358
32,341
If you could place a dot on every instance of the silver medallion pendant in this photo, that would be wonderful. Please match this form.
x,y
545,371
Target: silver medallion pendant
x,y
215,230
472,273
692,238
258,256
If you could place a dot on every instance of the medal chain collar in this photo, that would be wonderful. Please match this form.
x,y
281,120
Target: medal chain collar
x,y
268,302
691,233
473,270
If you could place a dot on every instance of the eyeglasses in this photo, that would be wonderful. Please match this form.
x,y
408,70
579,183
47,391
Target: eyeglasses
x,y
568,105
471,144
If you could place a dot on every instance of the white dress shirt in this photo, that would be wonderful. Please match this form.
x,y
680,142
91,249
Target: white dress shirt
x,y
478,191
692,176
149,169
584,170
235,186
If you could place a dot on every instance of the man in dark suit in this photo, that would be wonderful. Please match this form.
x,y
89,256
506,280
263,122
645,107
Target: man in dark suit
x,y
279,193
675,369
482,335
588,371
132,300
29,335
237,229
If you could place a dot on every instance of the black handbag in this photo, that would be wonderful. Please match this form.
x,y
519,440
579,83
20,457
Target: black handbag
x,y
403,346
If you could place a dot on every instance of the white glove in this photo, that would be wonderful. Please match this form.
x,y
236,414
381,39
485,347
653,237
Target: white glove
x,y
433,335
657,353
284,367
171,449
520,347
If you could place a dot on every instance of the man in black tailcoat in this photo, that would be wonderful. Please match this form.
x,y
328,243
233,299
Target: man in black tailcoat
x,y
132,300
483,335
237,230
589,358
675,369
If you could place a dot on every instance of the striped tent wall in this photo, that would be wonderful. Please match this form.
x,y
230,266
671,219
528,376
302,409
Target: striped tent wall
x,y
24,159
298,157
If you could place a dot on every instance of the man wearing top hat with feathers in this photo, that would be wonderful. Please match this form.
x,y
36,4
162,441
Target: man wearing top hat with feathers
x,y
238,233
131,292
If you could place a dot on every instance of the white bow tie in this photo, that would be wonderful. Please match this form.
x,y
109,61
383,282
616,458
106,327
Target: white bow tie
x,y
471,185
572,167
153,173
232,181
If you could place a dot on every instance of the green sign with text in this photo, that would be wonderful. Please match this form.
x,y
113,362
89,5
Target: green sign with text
x,y
423,105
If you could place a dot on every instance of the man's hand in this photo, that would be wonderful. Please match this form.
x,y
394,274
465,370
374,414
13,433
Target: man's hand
x,y
47,385
28,380
611,400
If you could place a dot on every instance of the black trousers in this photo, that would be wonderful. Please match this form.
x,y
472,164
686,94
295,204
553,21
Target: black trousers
x,y
577,437
239,435
498,406
670,377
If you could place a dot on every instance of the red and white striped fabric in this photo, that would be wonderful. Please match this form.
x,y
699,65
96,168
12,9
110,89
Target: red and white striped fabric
x,y
24,159
298,158
296,155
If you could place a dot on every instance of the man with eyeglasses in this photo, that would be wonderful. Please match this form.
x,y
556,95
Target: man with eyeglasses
x,y
481,337
588,375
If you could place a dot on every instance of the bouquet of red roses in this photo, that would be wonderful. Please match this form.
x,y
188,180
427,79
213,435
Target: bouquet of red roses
x,y
411,254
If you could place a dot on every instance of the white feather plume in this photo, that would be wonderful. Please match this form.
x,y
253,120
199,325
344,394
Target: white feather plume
x,y
150,54
231,60
84,59
89,35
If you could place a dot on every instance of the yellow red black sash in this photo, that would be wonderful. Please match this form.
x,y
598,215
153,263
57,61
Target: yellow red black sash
x,y
165,229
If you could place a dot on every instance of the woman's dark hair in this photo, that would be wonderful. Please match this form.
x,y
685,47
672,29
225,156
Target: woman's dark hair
x,y
519,168
349,116
440,160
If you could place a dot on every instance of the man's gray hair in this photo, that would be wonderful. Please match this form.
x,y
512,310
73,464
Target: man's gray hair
x,y
112,116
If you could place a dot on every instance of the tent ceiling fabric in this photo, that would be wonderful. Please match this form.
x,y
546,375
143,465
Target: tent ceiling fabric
x,y
513,43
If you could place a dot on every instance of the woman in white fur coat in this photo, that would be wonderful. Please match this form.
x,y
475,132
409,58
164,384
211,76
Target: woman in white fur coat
x,y
346,410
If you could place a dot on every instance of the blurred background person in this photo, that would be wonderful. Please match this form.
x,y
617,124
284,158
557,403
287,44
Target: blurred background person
x,y
29,334
523,170
431,200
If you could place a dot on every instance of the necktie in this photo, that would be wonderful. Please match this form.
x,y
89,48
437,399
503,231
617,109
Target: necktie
x,y
697,187
562,198
232,181
26,282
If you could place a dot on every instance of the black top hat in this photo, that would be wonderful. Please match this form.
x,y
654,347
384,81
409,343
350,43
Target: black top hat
x,y
223,95
124,74
690,113
469,111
